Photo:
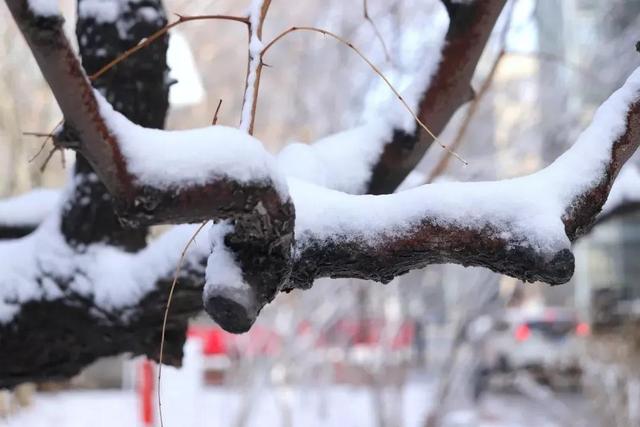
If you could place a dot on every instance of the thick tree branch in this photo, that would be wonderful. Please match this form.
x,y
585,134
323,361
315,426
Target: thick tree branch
x,y
470,26
78,305
521,227
377,156
112,300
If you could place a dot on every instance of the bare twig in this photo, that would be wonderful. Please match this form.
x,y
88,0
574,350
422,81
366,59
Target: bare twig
x,y
375,69
166,312
38,134
443,163
215,115
47,136
365,7
48,159
162,31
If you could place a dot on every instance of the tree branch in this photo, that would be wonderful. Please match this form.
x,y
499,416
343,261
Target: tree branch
x,y
521,227
142,194
450,87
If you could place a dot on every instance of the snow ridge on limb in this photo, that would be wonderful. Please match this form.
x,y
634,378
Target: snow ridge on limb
x,y
521,227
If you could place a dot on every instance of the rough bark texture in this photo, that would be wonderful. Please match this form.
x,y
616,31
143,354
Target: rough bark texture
x,y
51,340
450,88
429,244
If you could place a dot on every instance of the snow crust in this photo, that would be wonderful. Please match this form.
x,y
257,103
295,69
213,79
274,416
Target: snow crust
x,y
28,209
170,159
44,7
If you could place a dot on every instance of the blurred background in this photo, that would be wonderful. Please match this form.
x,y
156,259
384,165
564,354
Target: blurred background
x,y
444,346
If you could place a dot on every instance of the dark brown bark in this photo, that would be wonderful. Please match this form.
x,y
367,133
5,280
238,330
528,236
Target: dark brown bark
x,y
450,88
429,244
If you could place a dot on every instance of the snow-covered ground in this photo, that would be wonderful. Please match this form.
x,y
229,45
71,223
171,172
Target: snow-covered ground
x,y
342,406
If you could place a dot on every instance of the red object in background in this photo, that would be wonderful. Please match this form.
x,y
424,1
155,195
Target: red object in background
x,y
146,387
259,341
522,333
214,340
583,329
367,332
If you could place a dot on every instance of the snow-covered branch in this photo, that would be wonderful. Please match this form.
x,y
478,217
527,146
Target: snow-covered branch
x,y
521,227
378,155
279,223
175,183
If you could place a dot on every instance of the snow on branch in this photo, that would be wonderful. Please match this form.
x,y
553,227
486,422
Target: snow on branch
x,y
22,214
76,306
382,152
155,176
521,227
257,14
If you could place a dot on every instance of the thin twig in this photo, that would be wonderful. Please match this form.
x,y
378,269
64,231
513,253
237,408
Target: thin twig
x,y
166,313
153,37
215,115
44,143
38,134
375,69
365,7
443,163
46,161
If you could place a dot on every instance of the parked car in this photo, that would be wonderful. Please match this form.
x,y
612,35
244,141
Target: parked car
x,y
543,344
